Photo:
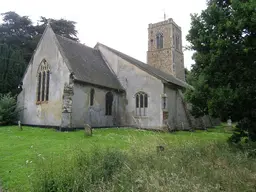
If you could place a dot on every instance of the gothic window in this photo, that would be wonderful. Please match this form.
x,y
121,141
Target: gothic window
x,y
39,87
109,102
43,81
164,101
91,97
141,102
159,41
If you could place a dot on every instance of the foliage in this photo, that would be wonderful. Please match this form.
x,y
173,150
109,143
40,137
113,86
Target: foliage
x,y
224,73
186,168
88,170
187,72
8,111
18,40
61,27
12,66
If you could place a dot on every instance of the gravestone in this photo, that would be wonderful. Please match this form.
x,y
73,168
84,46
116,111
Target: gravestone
x,y
229,122
20,126
87,130
159,148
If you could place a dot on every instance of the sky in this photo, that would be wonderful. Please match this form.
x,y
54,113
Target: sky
x,y
119,24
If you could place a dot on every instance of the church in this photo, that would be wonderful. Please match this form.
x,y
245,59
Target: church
x,y
68,84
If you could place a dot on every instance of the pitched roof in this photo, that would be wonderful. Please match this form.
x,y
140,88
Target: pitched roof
x,y
149,69
87,64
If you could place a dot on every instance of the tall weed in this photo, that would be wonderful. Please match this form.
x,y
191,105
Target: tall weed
x,y
213,167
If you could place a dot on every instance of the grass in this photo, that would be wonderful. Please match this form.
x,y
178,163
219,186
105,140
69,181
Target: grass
x,y
27,157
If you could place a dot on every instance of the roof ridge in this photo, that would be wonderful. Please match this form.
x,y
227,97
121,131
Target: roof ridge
x,y
65,38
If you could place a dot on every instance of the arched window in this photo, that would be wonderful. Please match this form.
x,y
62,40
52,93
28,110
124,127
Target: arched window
x,y
109,102
91,97
141,103
159,41
43,81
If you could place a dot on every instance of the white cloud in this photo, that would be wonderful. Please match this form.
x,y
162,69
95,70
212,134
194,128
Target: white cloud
x,y
121,25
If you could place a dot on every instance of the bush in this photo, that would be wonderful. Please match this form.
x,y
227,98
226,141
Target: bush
x,y
8,112
245,130
215,167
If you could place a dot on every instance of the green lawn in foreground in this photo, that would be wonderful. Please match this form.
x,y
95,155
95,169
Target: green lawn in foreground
x,y
20,149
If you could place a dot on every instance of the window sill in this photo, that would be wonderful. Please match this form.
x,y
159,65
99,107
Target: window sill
x,y
41,102
141,117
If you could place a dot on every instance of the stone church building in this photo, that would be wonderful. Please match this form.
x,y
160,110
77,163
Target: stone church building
x,y
68,84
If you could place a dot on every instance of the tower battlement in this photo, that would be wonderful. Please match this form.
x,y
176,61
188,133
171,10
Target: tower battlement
x,y
168,21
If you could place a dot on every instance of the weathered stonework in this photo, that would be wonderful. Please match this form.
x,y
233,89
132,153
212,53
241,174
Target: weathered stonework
x,y
161,60
169,58
66,121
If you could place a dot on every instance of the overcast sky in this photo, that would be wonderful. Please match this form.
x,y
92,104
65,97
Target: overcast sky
x,y
119,24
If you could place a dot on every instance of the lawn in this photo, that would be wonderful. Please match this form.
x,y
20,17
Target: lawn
x,y
21,150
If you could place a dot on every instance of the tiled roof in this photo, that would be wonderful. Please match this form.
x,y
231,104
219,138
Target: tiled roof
x,y
87,64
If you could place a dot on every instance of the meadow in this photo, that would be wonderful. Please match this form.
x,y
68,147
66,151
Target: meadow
x,y
123,159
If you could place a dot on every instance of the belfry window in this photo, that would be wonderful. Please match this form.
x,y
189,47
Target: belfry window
x,y
109,102
43,81
159,41
141,102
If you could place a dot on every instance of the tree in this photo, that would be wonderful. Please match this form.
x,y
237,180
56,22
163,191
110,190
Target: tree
x,y
61,27
224,73
12,66
187,72
8,110
18,40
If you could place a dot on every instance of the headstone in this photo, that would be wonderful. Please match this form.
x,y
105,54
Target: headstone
x,y
229,122
159,148
87,130
20,126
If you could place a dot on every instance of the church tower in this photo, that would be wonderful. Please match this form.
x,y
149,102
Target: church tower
x,y
165,48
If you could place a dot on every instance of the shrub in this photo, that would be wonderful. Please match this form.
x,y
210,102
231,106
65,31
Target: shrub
x,y
8,112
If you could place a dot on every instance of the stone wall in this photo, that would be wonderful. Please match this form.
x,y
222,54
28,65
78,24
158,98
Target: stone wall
x,y
177,118
177,53
83,113
66,121
47,113
134,80
161,59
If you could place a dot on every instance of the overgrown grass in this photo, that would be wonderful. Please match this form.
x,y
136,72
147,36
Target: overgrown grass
x,y
122,160
213,167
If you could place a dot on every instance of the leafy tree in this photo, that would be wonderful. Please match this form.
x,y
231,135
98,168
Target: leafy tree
x,y
18,40
12,66
187,72
224,73
61,27
8,111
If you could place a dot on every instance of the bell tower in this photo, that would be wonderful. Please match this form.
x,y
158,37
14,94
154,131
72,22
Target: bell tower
x,y
165,48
